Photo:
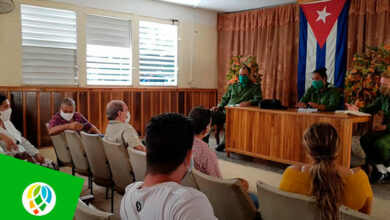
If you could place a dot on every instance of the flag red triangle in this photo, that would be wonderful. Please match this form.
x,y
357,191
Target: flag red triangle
x,y
322,16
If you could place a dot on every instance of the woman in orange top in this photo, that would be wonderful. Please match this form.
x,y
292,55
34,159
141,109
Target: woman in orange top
x,y
331,185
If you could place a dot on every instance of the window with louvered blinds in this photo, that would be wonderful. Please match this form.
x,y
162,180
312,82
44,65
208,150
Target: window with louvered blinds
x,y
49,44
157,54
109,60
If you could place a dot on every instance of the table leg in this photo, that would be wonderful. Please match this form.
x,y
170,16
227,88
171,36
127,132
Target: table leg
x,y
228,154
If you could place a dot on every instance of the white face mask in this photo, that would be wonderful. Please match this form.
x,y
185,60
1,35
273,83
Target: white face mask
x,y
6,115
128,117
67,116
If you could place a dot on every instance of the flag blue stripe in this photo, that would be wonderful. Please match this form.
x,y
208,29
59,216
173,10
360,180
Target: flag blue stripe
x,y
321,56
302,54
341,47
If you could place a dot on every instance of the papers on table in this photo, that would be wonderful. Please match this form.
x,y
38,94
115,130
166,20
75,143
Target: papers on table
x,y
351,112
307,110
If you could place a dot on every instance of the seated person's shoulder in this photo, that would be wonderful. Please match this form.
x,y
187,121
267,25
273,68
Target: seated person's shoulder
x,y
78,116
186,193
333,88
295,167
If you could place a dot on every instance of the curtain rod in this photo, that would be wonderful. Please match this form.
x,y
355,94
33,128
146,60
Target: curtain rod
x,y
252,9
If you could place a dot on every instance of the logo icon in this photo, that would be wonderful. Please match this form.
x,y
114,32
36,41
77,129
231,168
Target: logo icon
x,y
39,199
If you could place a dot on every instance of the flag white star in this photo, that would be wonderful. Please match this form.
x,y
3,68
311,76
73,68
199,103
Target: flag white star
x,y
322,15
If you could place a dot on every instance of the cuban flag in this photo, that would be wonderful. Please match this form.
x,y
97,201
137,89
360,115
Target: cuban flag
x,y
322,41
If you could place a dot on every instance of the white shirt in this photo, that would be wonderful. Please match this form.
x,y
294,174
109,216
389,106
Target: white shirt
x,y
165,201
13,133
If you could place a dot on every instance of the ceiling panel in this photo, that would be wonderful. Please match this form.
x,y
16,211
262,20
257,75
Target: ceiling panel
x,y
229,5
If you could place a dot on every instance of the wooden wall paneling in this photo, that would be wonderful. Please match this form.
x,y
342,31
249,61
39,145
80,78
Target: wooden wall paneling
x,y
99,110
36,105
78,102
181,102
45,115
127,99
24,115
117,95
156,104
39,136
151,106
166,102
17,109
136,114
146,112
89,106
161,101
57,98
187,102
204,99
196,100
213,99
4,93
31,117
52,111
83,103
105,99
94,109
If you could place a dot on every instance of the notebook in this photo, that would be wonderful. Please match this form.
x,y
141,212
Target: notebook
x,y
351,112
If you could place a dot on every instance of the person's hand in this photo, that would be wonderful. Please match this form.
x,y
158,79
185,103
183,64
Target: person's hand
x,y
300,105
39,158
8,142
76,126
352,107
316,106
380,128
215,109
245,104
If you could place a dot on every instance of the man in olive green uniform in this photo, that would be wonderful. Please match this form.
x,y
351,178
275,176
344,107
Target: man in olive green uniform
x,y
321,95
376,143
244,93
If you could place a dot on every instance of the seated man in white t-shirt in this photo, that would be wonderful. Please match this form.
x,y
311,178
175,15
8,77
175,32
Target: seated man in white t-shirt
x,y
169,139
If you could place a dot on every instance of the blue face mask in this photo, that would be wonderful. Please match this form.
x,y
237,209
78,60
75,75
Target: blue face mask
x,y
317,84
243,79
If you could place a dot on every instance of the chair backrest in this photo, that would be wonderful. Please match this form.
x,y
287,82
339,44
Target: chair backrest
x,y
189,181
348,214
138,163
118,158
60,147
276,204
85,212
97,158
228,197
77,151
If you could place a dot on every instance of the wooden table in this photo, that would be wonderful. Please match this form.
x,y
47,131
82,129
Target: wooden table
x,y
276,135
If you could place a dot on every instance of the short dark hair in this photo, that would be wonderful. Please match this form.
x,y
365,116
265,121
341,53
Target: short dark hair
x,y
113,108
200,117
169,137
68,102
2,98
322,72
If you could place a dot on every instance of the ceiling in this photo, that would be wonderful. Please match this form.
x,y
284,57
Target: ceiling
x,y
229,5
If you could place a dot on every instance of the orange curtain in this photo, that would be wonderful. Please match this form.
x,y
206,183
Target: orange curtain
x,y
368,25
272,35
